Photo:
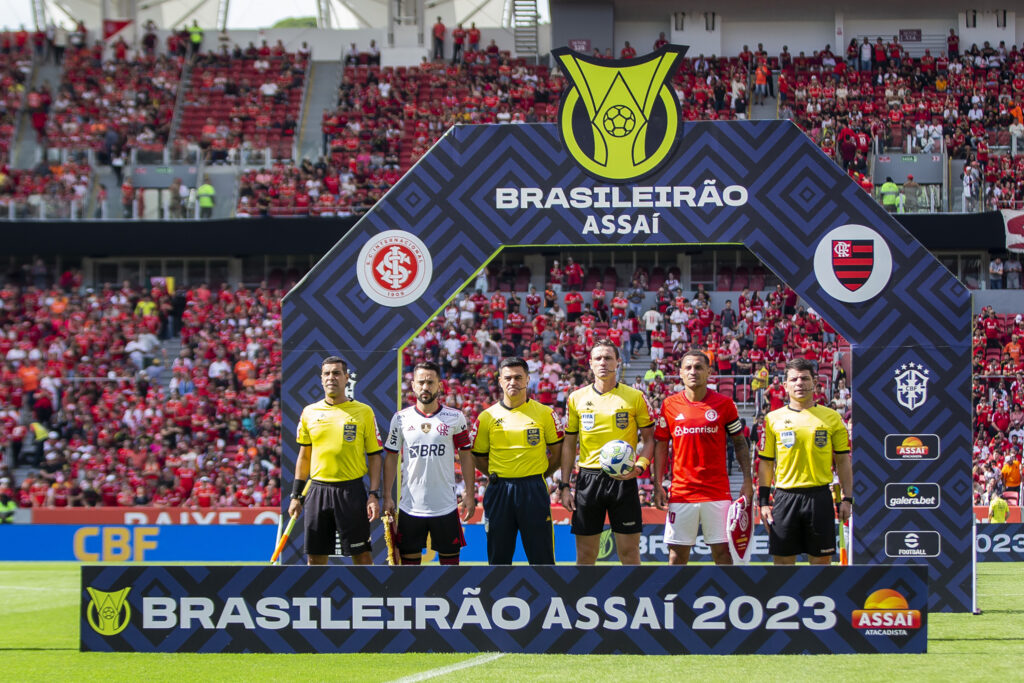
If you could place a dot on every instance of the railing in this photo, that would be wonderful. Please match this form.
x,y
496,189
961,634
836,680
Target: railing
x,y
38,207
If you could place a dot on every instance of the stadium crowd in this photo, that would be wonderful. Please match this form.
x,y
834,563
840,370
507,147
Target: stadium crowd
x,y
998,397
89,402
123,98
82,394
87,397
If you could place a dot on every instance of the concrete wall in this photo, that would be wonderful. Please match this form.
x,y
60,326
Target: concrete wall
x,y
595,21
805,36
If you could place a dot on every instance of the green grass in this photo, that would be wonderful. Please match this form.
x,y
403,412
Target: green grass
x,y
39,642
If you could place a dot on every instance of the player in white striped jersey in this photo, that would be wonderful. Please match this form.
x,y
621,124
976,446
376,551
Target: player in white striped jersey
x,y
427,437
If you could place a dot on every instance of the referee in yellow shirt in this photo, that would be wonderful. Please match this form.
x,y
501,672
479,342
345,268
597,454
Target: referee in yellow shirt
x,y
338,444
517,444
596,414
800,443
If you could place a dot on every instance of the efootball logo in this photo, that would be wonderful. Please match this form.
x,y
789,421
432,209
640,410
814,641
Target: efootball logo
x,y
620,118
108,613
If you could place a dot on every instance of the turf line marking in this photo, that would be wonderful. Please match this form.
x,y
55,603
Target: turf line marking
x,y
441,671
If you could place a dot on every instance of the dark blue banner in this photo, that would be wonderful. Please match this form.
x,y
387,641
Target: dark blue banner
x,y
565,610
1000,542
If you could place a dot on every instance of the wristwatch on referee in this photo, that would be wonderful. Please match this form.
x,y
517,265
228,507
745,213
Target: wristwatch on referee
x,y
563,486
847,499
374,492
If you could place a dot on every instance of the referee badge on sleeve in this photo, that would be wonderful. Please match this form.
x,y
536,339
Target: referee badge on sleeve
x,y
349,433
533,436
820,438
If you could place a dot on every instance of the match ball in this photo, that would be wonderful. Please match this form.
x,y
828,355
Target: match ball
x,y
619,121
617,458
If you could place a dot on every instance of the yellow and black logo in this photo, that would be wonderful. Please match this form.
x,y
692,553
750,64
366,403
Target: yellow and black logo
x,y
108,613
620,118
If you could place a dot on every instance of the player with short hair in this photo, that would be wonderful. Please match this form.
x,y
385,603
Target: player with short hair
x,y
598,413
338,444
800,444
516,446
697,421
427,436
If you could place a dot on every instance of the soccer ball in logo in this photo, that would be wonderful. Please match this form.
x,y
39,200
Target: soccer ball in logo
x,y
619,121
617,457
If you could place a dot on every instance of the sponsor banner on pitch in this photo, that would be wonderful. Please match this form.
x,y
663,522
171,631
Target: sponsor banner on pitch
x,y
1000,542
154,515
124,543
574,610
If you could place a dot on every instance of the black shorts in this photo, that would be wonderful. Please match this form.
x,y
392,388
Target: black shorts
x,y
805,522
337,507
597,494
518,506
445,533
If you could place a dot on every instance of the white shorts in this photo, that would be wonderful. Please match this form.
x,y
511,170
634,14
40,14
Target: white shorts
x,y
683,519
657,353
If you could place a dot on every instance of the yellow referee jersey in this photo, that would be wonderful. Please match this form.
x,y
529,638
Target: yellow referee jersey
x,y
516,440
801,442
340,434
599,418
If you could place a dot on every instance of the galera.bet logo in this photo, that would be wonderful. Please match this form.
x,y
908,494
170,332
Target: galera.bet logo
x,y
108,613
620,118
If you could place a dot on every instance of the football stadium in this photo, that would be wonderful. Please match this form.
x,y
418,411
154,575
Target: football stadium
x,y
402,341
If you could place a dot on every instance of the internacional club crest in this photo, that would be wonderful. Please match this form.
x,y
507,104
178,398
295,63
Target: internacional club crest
x,y
394,268
911,385
619,119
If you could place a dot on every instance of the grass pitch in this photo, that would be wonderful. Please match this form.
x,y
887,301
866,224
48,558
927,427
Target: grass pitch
x,y
39,642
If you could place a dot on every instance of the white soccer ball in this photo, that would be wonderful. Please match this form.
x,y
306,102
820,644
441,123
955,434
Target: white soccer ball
x,y
617,458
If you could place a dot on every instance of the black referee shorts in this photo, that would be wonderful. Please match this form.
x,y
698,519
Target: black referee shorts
x,y
598,494
805,522
518,506
337,507
445,533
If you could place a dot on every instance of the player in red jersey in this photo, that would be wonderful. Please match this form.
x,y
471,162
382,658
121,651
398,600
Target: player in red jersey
x,y
696,421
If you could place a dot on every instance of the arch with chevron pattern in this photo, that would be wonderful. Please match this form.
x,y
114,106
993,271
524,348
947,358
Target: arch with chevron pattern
x,y
795,196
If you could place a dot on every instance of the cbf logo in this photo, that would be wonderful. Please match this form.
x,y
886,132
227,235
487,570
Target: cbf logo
x,y
620,118
108,613
911,385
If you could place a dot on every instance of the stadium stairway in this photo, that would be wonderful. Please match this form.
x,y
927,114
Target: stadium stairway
x,y
170,349
27,151
768,110
321,95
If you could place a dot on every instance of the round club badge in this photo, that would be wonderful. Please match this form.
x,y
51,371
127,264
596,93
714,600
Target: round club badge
x,y
394,268
852,263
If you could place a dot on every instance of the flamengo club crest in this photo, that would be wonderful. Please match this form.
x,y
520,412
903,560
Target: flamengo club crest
x,y
852,263
394,268
911,385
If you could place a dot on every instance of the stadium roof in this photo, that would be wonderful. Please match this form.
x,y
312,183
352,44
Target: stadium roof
x,y
241,14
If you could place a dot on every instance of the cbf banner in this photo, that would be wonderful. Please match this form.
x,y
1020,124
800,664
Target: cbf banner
x,y
574,610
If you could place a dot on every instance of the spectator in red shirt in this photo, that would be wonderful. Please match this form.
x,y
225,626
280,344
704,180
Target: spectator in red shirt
x,y
573,275
438,32
458,40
